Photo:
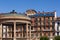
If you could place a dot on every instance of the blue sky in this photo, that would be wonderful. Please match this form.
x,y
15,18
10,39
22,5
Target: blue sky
x,y
23,5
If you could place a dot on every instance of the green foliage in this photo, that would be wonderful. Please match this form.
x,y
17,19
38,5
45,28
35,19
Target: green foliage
x,y
44,38
57,38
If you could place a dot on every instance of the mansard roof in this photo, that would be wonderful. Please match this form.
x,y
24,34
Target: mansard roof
x,y
44,14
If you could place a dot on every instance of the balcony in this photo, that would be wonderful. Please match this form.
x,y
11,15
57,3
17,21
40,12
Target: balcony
x,y
50,36
20,35
57,31
33,30
47,30
18,30
9,30
9,35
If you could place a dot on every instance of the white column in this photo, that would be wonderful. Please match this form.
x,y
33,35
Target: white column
x,y
55,14
22,31
30,32
1,31
55,24
27,30
14,30
56,28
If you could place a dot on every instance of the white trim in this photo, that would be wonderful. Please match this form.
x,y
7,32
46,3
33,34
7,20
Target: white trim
x,y
55,15
56,26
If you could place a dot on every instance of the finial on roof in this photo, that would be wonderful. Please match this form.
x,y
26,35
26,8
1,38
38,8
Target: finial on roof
x,y
13,11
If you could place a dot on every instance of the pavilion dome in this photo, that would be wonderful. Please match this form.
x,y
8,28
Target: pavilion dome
x,y
13,15
31,12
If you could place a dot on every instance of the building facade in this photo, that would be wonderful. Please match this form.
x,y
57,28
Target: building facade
x,y
29,26
57,26
14,26
43,24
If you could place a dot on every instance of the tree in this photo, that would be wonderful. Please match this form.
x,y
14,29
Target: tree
x,y
44,38
57,38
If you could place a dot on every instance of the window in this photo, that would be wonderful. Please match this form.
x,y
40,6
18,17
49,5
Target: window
x,y
3,35
53,34
4,26
24,35
20,28
4,30
17,34
38,23
38,19
10,29
24,28
40,34
28,27
44,27
42,18
51,28
44,34
42,23
32,28
50,23
32,35
48,27
49,34
36,34
46,18
57,33
9,34
20,35
16,28
50,18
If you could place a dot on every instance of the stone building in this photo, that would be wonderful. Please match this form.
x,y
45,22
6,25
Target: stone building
x,y
42,24
28,26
